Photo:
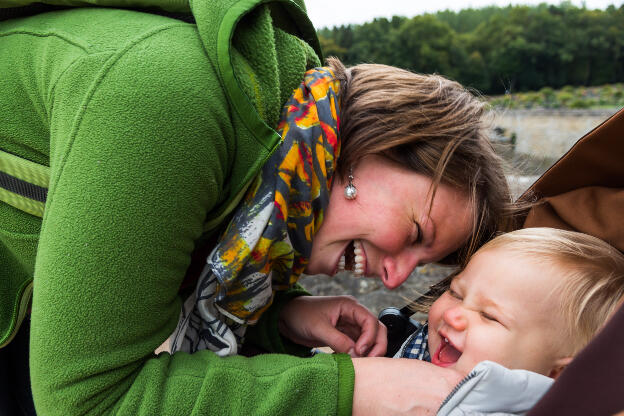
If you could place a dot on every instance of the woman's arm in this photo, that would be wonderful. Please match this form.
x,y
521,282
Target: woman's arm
x,y
138,160
400,386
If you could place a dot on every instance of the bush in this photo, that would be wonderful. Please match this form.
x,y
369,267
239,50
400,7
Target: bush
x,y
548,97
567,97
504,101
528,99
581,103
564,97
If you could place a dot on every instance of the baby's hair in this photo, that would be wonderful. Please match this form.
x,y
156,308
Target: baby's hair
x,y
592,283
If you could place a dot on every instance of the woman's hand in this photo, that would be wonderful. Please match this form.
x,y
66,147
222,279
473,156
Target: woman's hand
x,y
400,386
338,322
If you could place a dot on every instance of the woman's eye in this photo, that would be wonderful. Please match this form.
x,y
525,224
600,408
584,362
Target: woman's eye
x,y
454,294
419,235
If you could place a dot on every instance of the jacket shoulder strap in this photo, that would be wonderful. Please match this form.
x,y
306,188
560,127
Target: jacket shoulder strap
x,y
23,184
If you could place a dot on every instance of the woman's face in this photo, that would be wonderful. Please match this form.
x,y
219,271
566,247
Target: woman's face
x,y
388,229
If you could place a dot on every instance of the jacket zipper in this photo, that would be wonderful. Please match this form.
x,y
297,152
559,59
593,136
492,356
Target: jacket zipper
x,y
20,313
470,375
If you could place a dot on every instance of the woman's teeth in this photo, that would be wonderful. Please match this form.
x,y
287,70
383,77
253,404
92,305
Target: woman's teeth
x,y
356,265
359,258
341,263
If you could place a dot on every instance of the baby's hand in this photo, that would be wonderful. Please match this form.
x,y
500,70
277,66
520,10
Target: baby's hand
x,y
338,322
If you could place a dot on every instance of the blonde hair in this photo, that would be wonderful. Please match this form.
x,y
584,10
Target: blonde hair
x,y
430,125
592,280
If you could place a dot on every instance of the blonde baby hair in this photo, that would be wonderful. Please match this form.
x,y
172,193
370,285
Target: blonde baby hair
x,y
592,284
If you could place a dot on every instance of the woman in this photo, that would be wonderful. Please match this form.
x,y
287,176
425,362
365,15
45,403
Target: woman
x,y
153,129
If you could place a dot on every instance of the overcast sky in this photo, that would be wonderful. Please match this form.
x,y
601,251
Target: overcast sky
x,y
338,12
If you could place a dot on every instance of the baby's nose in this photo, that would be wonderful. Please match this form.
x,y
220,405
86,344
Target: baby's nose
x,y
455,318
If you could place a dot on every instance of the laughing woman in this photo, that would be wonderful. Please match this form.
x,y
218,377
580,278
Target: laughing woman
x,y
173,206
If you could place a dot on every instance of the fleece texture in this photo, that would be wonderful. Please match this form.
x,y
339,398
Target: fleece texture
x,y
151,127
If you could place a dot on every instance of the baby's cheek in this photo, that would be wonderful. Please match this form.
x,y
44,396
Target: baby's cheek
x,y
435,315
464,366
493,349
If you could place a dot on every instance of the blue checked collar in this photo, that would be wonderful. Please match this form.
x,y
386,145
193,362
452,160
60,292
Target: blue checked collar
x,y
416,345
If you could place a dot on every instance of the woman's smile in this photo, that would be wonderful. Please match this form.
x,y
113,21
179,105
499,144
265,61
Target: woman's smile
x,y
390,227
353,259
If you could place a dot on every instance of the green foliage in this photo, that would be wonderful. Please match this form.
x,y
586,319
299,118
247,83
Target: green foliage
x,y
604,96
579,103
330,48
497,50
565,97
548,98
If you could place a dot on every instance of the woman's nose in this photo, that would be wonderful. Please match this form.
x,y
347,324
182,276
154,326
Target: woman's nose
x,y
455,318
397,269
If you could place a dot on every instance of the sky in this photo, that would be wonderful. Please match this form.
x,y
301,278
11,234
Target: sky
x,y
328,13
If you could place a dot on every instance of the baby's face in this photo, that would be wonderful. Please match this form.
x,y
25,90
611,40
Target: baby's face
x,y
500,308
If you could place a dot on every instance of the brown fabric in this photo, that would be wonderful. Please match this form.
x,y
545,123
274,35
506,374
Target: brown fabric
x,y
593,383
593,210
584,191
597,159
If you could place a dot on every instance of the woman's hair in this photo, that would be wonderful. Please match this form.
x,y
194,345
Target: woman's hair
x,y
430,125
592,275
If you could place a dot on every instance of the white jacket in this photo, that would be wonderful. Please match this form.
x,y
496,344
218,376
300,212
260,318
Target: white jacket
x,y
491,389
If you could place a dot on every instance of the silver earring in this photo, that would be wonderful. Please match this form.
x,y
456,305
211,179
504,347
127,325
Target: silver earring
x,y
350,192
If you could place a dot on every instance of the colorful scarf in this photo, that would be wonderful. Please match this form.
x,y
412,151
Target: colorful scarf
x,y
268,243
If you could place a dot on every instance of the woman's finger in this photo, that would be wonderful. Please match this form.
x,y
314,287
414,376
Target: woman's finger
x,y
381,344
369,328
338,341
352,330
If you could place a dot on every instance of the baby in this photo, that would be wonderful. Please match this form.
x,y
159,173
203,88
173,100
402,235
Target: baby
x,y
530,299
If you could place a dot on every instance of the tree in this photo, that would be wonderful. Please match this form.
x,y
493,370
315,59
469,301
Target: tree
x,y
494,49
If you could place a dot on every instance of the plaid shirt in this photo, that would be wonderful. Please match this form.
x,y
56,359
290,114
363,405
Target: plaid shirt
x,y
416,346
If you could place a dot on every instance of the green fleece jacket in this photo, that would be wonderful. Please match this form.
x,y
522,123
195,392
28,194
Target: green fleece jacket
x,y
151,128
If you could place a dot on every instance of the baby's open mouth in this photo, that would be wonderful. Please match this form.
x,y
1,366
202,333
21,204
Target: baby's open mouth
x,y
446,354
353,259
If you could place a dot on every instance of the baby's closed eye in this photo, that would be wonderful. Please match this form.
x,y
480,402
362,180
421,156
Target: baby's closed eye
x,y
488,317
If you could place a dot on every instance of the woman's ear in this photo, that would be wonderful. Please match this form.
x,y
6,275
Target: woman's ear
x,y
559,365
